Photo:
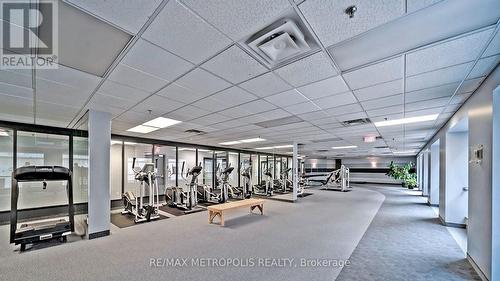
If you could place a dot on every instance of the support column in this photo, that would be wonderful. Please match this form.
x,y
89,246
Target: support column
x,y
99,216
295,170
495,191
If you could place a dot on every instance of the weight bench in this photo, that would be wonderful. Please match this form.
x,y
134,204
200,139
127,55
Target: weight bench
x,y
218,210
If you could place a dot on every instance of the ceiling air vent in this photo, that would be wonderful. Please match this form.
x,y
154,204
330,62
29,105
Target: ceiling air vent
x,y
195,132
355,122
381,147
285,40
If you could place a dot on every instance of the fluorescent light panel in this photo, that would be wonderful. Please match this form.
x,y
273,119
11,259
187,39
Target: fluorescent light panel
x,y
161,122
408,120
230,142
241,141
344,147
4,134
153,125
275,147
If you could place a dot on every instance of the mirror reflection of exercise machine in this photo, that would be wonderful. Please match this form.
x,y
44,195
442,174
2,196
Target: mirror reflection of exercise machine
x,y
136,205
265,188
246,173
338,180
29,233
185,198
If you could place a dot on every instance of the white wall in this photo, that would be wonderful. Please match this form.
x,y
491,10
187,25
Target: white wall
x,y
479,111
495,243
457,167
425,173
434,187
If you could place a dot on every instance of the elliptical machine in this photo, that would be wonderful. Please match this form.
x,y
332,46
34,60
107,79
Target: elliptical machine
x,y
267,188
185,199
135,205
207,194
246,173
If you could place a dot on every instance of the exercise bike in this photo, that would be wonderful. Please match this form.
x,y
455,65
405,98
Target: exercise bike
x,y
136,205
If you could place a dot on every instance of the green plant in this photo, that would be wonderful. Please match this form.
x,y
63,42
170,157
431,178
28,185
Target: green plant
x,y
404,174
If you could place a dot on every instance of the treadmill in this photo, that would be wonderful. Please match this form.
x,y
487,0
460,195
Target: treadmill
x,y
29,233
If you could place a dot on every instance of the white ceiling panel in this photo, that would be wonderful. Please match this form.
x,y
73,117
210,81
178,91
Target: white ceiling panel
x,y
134,78
333,25
265,85
452,52
274,114
437,77
310,69
238,18
323,88
257,106
98,102
56,112
213,118
123,92
406,33
375,74
385,111
234,65
426,104
484,66
20,79
415,5
211,104
158,105
69,77
233,96
345,109
431,93
380,90
335,100
136,118
235,112
493,47
286,98
311,116
12,106
109,100
182,32
129,15
383,102
17,91
202,82
302,108
187,113
179,93
60,94
153,60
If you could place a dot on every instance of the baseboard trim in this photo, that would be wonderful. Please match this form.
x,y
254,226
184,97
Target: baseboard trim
x,y
476,268
432,205
98,234
452,224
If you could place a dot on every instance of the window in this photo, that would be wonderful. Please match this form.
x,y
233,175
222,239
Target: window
x,y
6,148
80,169
142,154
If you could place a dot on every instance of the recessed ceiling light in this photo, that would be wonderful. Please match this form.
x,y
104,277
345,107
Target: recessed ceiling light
x,y
344,147
142,129
229,142
264,148
284,146
408,120
161,122
275,147
252,140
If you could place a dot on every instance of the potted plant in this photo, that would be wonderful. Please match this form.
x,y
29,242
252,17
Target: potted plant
x,y
404,174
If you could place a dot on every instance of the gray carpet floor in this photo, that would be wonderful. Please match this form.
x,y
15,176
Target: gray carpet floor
x,y
326,225
406,242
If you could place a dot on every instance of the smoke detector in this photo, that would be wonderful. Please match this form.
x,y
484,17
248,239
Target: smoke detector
x,y
285,40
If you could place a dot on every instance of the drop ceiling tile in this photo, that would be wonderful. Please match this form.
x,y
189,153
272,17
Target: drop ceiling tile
x,y
335,100
210,119
129,15
312,116
265,85
147,57
493,47
45,110
211,104
182,32
274,114
187,113
460,50
238,18
202,82
351,116
179,93
380,90
383,102
332,25
235,112
13,108
136,118
309,69
113,101
234,65
324,88
123,92
158,105
101,103
385,111
438,77
470,85
257,106
426,104
15,78
134,78
17,91
431,93
233,96
286,98
484,66
414,5
60,94
375,74
69,77
344,109
301,108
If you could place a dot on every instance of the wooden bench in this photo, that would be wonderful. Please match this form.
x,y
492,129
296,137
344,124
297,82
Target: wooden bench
x,y
218,210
